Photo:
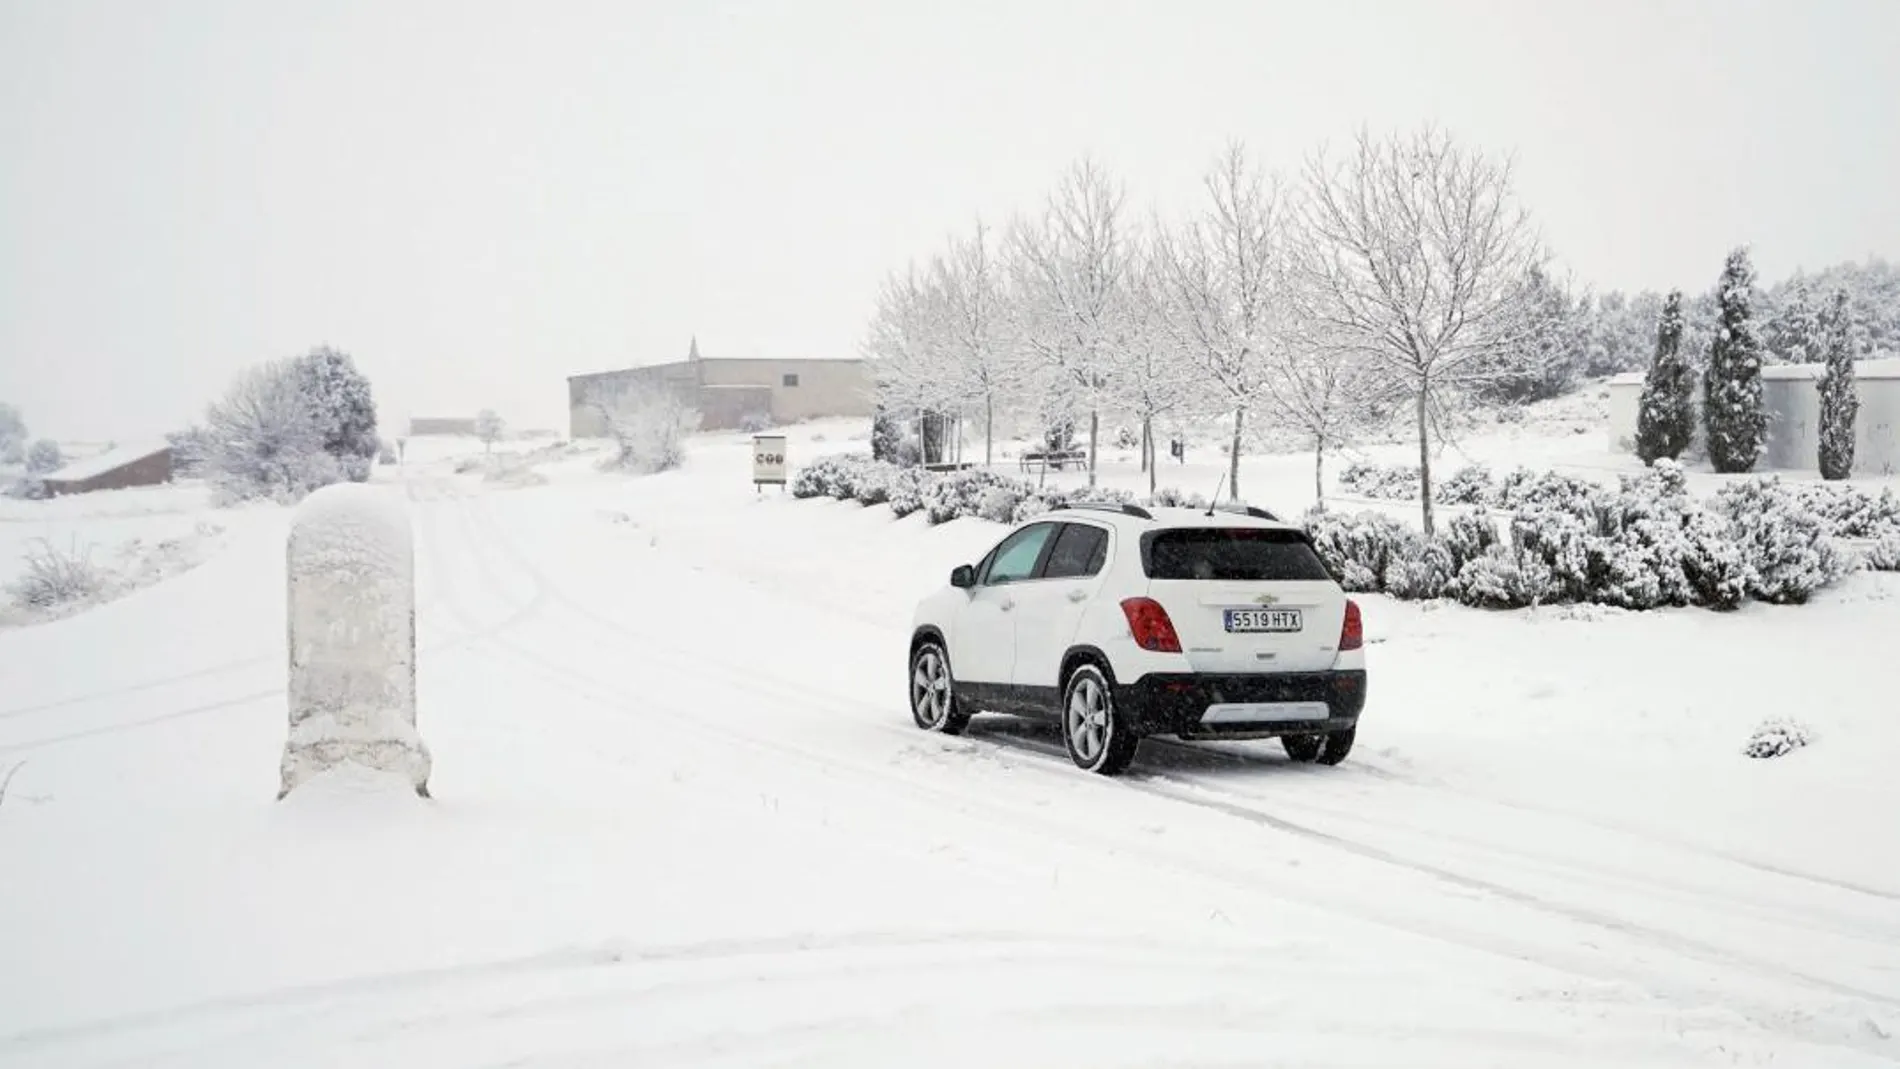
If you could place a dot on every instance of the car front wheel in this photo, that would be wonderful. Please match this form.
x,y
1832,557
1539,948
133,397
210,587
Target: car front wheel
x,y
1095,736
933,691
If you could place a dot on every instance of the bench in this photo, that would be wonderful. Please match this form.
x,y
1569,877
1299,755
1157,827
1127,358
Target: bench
x,y
1058,459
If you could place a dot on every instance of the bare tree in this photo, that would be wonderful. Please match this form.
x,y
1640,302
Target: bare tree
x,y
1152,377
489,427
912,371
1070,269
1419,259
1324,391
1227,280
972,312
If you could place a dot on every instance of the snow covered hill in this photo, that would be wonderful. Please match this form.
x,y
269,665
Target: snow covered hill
x,y
681,818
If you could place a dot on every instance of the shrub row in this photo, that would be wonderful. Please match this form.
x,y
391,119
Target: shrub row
x,y
1646,544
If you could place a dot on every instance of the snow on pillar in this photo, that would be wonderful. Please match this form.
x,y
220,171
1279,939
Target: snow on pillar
x,y
352,608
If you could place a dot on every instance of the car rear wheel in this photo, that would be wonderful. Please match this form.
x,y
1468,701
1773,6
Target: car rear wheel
x,y
1328,749
933,692
1095,736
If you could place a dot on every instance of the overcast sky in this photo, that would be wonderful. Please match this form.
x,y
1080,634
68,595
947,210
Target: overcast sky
x,y
478,198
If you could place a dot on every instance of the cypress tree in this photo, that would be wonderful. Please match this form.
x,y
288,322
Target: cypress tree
x,y
1733,417
1840,399
1665,418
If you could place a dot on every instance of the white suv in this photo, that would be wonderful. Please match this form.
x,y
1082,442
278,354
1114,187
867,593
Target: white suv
x,y
1122,622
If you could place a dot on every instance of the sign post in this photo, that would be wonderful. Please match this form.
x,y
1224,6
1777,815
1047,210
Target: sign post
x,y
768,461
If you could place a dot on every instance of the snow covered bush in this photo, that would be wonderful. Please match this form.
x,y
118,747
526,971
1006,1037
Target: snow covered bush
x,y
872,484
957,494
53,578
265,438
1524,489
1848,511
43,457
1504,577
649,425
1790,552
834,476
1777,738
1384,482
191,448
1469,536
1421,570
906,491
1359,549
1884,554
998,504
1471,485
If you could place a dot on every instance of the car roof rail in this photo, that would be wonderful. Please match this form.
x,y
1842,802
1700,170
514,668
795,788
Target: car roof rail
x,y
1103,506
1247,510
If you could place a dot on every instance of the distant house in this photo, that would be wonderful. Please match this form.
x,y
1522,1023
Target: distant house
x,y
1792,398
730,393
140,464
446,425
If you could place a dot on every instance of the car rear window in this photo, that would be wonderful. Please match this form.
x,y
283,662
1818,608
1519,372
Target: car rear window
x,y
1232,554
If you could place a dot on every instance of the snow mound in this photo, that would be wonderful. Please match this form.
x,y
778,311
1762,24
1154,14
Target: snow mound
x,y
1777,738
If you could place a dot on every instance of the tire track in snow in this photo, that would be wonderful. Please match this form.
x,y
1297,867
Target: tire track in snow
x,y
1772,1017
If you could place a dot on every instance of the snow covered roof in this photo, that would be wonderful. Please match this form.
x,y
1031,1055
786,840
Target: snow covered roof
x,y
116,457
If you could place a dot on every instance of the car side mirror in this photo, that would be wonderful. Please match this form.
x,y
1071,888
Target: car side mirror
x,y
963,577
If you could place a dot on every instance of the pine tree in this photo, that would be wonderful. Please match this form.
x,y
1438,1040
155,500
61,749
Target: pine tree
x,y
1732,412
1840,400
1794,337
1665,420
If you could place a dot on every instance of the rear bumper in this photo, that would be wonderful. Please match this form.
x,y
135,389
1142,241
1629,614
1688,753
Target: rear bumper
x,y
1174,704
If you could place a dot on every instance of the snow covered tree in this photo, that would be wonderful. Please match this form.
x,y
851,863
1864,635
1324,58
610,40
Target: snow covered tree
x,y
1553,355
1069,268
1793,336
340,402
981,362
1734,420
912,375
1840,396
1665,416
1324,391
1152,378
1227,277
43,457
13,436
264,439
649,423
1419,260
489,427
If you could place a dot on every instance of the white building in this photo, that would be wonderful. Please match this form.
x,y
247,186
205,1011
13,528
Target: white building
x,y
1791,394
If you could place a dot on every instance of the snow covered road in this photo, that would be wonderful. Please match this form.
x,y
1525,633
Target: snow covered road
x,y
682,818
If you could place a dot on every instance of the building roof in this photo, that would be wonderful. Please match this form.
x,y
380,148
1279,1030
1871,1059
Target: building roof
x,y
789,361
111,460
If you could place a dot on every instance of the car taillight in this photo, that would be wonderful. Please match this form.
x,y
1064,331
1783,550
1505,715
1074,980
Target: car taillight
x,y
1352,633
1150,625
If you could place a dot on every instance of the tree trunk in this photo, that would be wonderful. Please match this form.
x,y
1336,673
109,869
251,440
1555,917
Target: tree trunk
x,y
1425,457
1319,474
1095,426
1148,437
1144,443
989,426
1233,458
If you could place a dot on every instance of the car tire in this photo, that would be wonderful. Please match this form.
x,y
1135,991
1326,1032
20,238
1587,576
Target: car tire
x,y
1094,733
933,691
1328,749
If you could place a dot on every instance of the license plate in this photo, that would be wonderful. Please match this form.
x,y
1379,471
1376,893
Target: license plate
x,y
1270,620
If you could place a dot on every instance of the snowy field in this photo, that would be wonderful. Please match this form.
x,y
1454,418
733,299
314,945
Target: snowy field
x,y
681,816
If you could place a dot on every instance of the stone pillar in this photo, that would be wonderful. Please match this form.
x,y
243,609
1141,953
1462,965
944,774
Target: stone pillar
x,y
352,609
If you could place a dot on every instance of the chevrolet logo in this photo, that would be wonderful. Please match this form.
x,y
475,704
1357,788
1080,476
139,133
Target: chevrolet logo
x,y
1265,599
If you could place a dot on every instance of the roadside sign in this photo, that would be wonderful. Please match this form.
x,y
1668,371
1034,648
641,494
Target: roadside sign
x,y
768,460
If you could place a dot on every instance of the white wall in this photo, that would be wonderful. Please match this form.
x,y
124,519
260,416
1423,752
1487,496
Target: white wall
x,y
1793,402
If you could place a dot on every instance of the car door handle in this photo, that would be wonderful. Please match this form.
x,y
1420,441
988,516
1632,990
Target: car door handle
x,y
1078,595
1007,604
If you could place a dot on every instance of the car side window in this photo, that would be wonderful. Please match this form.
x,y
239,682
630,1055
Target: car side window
x,y
1015,559
1079,552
